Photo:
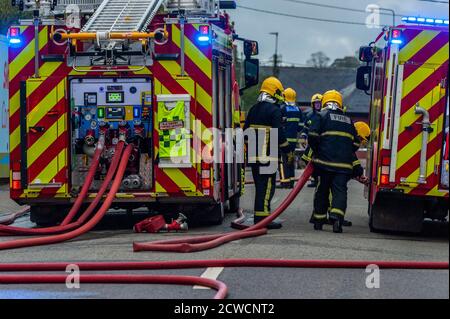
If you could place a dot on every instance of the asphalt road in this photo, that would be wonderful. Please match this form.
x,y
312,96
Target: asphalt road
x,y
112,241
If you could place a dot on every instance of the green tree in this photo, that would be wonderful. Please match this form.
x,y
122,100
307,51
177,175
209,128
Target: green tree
x,y
8,15
346,62
318,60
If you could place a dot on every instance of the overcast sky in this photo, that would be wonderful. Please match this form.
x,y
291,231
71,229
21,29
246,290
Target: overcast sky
x,y
299,38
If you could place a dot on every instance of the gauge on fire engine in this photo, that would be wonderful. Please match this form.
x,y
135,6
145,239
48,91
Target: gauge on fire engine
x,y
115,97
90,99
88,117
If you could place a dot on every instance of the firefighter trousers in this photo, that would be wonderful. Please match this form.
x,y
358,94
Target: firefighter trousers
x,y
264,192
286,169
336,184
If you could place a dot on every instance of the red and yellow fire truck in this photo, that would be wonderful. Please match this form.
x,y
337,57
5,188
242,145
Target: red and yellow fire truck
x,y
161,73
407,76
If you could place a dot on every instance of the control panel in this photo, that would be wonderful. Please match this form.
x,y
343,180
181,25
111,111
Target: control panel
x,y
114,108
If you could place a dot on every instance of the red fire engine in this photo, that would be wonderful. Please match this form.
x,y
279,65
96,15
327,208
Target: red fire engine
x,y
407,76
159,74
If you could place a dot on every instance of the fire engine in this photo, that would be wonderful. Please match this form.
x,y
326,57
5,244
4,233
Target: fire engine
x,y
406,74
160,74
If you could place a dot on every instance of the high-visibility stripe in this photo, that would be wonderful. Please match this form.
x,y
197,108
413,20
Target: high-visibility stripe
x,y
193,52
439,58
46,104
414,145
339,165
337,211
261,214
337,133
293,120
27,54
416,44
39,148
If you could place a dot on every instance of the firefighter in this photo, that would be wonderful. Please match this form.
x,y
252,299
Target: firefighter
x,y
264,116
334,141
316,107
293,123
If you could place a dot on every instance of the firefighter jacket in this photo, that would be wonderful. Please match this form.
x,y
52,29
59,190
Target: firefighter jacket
x,y
309,119
334,141
263,117
293,122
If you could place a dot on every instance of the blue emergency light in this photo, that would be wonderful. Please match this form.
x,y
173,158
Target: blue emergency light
x,y
14,37
204,34
426,21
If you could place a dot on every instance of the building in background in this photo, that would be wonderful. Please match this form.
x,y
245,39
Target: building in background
x,y
4,133
307,81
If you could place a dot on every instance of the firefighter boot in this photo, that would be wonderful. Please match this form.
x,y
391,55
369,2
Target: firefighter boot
x,y
318,226
337,225
272,225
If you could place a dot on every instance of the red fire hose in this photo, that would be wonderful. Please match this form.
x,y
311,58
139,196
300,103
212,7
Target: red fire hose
x,y
191,244
84,217
221,288
190,264
86,227
10,219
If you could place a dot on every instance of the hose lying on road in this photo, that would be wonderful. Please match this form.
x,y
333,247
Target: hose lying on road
x,y
10,219
192,244
190,264
84,217
221,288
87,226
76,206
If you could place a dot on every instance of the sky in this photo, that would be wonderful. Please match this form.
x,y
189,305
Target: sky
x,y
299,38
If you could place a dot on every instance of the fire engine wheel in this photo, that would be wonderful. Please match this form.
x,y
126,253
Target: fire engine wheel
x,y
388,214
47,216
215,214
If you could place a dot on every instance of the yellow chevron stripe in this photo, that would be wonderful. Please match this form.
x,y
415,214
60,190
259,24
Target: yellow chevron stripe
x,y
27,54
204,99
47,69
405,154
197,56
14,139
421,74
415,176
41,145
159,188
181,180
428,101
48,173
417,44
46,104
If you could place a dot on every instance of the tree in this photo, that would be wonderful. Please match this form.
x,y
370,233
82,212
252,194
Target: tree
x,y
346,62
8,15
318,60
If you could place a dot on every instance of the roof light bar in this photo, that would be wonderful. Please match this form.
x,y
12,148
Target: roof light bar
x,y
426,21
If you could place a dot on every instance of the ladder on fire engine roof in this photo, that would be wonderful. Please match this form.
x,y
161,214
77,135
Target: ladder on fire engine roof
x,y
123,16
136,15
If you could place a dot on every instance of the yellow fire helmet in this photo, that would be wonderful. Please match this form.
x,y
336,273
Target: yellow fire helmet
x,y
316,98
290,95
363,131
273,87
333,96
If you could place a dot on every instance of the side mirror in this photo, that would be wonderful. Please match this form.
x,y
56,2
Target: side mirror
x,y
365,54
251,48
251,70
364,78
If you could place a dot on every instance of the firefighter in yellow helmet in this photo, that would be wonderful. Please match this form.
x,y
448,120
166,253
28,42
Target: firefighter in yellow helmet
x,y
334,141
313,115
293,122
264,116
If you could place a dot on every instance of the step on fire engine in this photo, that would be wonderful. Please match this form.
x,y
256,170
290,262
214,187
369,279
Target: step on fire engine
x,y
407,76
160,74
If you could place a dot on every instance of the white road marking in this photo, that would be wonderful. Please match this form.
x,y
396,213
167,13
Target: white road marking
x,y
210,273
